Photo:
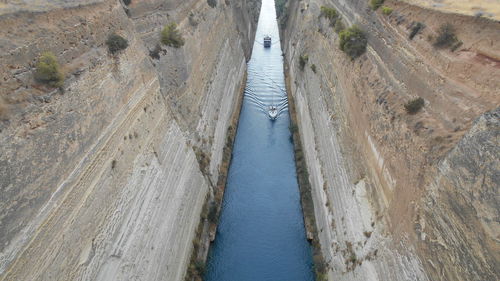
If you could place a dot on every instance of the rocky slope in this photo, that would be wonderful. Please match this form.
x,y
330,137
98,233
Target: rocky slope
x,y
102,180
399,196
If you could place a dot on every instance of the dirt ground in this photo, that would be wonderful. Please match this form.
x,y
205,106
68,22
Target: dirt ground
x,y
485,8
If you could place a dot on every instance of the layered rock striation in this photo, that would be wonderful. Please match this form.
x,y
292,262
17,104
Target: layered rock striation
x,y
399,196
102,179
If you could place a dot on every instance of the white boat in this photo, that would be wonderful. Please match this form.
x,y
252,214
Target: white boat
x,y
273,112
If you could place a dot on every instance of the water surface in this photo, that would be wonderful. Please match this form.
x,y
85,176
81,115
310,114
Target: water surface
x,y
261,232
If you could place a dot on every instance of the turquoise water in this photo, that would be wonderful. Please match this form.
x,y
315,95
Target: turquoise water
x,y
261,233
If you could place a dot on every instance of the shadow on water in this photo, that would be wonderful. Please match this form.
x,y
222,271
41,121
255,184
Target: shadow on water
x,y
261,233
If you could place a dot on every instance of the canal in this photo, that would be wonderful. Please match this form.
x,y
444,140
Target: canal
x,y
261,233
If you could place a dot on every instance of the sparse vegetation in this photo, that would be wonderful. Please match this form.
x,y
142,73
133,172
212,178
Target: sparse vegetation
x,y
330,13
116,43
339,25
416,27
313,68
281,12
155,53
414,105
353,41
386,10
171,36
212,3
48,70
446,37
375,4
303,59
280,7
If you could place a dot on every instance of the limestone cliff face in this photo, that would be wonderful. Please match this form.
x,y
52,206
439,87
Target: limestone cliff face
x,y
399,196
100,181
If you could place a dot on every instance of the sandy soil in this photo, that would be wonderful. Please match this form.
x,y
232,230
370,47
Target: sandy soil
x,y
486,8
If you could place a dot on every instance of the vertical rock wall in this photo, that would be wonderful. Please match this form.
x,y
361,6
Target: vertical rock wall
x,y
382,179
100,181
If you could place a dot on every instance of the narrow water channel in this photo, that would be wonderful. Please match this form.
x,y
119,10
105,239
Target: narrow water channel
x,y
261,232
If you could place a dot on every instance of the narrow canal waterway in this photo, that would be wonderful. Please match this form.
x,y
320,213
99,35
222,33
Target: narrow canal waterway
x,y
261,232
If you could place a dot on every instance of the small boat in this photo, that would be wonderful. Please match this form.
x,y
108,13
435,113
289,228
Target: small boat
x,y
267,41
273,112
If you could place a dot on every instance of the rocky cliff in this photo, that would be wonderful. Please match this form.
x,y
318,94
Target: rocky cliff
x,y
102,178
399,196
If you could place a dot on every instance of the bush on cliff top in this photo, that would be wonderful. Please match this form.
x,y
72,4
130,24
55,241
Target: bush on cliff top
x,y
48,70
416,27
171,36
414,105
116,43
446,37
353,41
375,4
329,13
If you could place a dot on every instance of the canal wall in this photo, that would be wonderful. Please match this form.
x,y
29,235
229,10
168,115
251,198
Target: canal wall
x,y
398,196
106,177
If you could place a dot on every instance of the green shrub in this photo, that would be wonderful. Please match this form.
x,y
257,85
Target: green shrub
x,y
212,3
329,13
386,10
313,68
127,2
339,25
353,41
116,43
303,59
48,70
171,36
414,105
446,36
415,29
375,4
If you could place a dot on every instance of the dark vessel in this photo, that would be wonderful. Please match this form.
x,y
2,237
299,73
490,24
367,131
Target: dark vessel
x,y
267,42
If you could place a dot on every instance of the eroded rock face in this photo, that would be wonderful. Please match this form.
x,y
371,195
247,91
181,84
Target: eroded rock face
x,y
399,196
100,181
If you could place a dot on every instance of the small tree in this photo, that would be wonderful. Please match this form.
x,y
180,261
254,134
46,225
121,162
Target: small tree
x,y
171,36
313,68
48,70
116,43
353,41
414,105
127,2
